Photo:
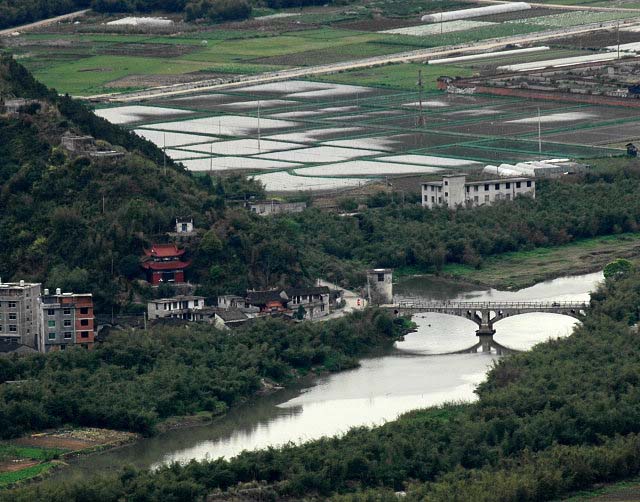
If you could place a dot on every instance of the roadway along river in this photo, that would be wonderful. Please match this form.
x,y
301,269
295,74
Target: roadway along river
x,y
410,376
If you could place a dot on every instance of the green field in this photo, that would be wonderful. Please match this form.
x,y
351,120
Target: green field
x,y
397,76
8,478
525,268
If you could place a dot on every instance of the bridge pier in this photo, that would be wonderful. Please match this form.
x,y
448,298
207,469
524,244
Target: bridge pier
x,y
485,336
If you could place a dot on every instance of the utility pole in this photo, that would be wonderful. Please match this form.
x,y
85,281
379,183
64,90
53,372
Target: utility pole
x,y
259,149
539,132
618,35
420,84
211,159
164,152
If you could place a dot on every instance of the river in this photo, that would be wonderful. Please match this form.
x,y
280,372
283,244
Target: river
x,y
410,376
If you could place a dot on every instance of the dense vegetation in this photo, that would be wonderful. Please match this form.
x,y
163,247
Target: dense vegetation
x,y
548,422
17,12
81,224
135,379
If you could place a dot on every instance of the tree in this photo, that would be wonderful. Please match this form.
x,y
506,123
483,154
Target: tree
x,y
617,269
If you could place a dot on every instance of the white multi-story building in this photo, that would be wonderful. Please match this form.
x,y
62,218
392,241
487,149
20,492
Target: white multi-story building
x,y
177,307
20,313
454,191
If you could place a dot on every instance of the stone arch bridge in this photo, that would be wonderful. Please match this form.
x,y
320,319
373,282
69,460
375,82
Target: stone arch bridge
x,y
486,314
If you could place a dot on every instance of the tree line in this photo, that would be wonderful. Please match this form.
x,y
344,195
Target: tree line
x,y
134,380
557,419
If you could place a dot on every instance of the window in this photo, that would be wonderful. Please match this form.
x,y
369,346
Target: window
x,y
13,328
508,196
13,316
51,312
380,277
0,328
67,323
0,316
196,303
63,347
475,199
497,186
66,311
67,335
475,188
84,322
84,310
498,196
528,184
486,188
52,336
433,189
51,324
508,185
446,194
12,305
518,184
84,334
486,198
446,182
468,188
439,200
433,199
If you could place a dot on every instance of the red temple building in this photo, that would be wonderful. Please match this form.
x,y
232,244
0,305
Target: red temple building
x,y
163,263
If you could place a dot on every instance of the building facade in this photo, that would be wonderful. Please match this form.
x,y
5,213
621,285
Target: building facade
x,y
454,191
20,313
177,307
380,286
269,207
163,263
67,320
315,302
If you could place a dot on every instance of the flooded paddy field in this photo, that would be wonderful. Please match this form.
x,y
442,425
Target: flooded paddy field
x,y
304,135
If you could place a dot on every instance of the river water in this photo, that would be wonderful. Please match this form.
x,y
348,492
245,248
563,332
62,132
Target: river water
x,y
412,375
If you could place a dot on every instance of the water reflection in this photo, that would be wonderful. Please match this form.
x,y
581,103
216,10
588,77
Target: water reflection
x,y
412,376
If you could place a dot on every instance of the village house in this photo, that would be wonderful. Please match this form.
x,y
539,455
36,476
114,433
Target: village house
x,y
270,207
177,307
454,191
315,302
163,263
67,320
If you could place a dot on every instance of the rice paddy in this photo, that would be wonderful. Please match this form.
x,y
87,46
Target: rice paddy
x,y
386,133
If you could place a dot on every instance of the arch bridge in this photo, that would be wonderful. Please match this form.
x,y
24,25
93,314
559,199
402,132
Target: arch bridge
x,y
486,314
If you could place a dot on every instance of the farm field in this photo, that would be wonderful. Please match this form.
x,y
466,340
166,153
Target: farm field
x,y
32,456
92,58
316,135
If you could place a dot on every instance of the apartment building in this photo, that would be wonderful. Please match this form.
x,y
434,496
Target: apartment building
x,y
19,313
454,191
67,319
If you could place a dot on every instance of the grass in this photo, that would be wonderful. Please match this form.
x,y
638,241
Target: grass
x,y
29,452
623,491
525,268
397,76
9,478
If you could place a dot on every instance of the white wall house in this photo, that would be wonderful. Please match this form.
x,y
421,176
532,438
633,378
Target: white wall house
x,y
454,191
178,307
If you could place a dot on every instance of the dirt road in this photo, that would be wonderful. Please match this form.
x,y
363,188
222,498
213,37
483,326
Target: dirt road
x,y
417,55
44,22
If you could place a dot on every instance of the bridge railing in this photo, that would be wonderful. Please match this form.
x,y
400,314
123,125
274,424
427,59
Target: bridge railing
x,y
409,303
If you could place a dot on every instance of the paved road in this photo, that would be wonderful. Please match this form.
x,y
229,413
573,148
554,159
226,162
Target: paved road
x,y
350,297
417,55
44,22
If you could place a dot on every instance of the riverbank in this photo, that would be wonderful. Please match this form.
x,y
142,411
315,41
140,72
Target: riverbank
x,y
513,271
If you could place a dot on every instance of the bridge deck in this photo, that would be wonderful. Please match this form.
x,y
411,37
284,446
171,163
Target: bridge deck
x,y
421,304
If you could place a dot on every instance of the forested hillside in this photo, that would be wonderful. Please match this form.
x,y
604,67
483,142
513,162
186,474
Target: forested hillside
x,y
81,224
548,422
